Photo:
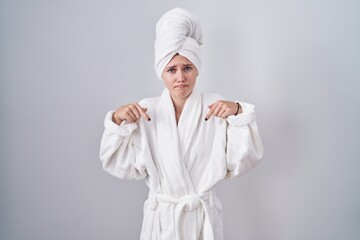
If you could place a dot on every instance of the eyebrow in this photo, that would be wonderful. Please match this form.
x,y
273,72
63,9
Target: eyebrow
x,y
185,65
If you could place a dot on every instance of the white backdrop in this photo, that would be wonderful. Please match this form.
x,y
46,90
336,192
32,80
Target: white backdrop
x,y
64,64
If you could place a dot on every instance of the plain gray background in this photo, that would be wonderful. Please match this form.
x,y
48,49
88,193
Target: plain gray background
x,y
64,64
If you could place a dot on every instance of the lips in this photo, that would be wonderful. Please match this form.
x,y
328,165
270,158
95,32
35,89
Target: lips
x,y
181,86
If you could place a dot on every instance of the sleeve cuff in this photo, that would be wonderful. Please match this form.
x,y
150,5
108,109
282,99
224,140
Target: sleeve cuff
x,y
124,129
246,117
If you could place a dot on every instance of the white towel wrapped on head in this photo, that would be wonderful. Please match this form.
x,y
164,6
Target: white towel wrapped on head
x,y
177,31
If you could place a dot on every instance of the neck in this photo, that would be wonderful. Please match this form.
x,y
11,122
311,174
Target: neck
x,y
179,104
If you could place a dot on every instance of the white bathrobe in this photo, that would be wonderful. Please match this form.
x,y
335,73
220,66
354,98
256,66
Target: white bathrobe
x,y
182,162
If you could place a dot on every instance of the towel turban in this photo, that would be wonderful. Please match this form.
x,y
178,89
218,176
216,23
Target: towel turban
x,y
177,31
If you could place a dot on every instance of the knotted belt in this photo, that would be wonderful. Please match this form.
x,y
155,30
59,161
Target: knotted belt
x,y
186,203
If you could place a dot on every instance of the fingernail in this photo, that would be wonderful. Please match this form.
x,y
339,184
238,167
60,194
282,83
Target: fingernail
x,y
149,119
206,119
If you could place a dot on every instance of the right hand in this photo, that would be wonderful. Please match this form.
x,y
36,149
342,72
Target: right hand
x,y
131,112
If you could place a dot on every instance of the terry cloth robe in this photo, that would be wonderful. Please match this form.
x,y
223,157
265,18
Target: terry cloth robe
x,y
182,162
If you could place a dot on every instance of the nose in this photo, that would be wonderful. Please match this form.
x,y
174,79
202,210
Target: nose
x,y
180,76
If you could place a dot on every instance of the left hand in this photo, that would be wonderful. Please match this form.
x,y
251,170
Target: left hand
x,y
222,109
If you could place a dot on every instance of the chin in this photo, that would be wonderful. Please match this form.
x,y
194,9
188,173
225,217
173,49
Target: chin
x,y
182,94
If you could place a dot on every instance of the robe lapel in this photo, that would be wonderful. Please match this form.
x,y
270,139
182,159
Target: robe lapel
x,y
190,120
171,168
174,142
188,125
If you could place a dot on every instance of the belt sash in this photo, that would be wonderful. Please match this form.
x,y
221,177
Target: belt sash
x,y
184,204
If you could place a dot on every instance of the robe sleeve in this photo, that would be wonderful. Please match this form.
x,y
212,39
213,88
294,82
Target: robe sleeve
x,y
244,147
119,150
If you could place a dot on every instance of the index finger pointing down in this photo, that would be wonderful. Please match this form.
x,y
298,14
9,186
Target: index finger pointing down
x,y
210,112
142,112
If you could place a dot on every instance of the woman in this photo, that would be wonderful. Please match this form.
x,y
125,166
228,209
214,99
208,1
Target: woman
x,y
182,142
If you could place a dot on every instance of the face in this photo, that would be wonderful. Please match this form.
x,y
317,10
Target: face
x,y
179,77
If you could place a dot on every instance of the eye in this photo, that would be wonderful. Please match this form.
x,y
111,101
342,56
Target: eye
x,y
187,69
171,70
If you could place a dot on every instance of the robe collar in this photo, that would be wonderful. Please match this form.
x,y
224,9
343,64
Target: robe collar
x,y
174,141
